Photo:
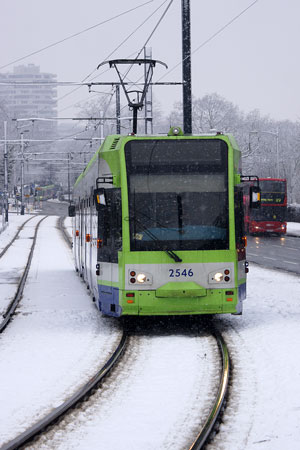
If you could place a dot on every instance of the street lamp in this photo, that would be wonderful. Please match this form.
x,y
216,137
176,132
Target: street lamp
x,y
272,133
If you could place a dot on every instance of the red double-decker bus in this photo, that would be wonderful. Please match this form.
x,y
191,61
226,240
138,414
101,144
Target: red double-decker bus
x,y
271,216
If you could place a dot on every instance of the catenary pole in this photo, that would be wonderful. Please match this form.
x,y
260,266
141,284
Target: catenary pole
x,y
118,109
5,173
22,175
186,67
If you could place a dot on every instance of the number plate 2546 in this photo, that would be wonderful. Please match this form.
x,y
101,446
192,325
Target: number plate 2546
x,y
176,273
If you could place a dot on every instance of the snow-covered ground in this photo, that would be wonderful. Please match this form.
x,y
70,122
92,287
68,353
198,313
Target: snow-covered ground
x,y
293,229
58,337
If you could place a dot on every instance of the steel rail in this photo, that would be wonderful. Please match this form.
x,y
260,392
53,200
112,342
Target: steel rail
x,y
219,401
64,232
15,237
15,301
61,410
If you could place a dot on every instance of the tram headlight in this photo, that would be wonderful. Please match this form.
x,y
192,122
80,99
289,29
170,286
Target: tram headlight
x,y
218,277
141,278
136,277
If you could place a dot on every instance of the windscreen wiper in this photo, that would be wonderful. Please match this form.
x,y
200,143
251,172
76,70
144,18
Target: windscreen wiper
x,y
173,255
155,238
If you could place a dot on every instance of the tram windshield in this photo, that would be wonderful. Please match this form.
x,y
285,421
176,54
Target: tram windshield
x,y
178,194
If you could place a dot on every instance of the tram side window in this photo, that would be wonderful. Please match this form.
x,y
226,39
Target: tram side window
x,y
110,227
239,215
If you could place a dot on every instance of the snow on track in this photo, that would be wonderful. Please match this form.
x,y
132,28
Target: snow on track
x,y
13,262
263,407
263,410
56,340
158,398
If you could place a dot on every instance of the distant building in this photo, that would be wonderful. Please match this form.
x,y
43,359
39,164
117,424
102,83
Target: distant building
x,y
28,93
30,100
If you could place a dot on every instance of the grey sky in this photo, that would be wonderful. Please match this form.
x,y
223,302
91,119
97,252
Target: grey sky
x,y
254,62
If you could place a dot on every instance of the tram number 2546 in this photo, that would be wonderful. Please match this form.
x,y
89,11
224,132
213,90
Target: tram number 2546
x,y
176,273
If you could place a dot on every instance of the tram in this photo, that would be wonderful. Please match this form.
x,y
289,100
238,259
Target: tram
x,y
158,226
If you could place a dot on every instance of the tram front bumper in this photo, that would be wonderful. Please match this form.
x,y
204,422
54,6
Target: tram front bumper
x,y
148,303
182,290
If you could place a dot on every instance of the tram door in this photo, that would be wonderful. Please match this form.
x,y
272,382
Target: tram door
x,y
110,239
87,241
94,249
81,236
92,246
74,229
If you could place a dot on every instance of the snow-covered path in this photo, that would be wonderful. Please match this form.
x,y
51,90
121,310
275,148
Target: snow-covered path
x,y
56,317
264,406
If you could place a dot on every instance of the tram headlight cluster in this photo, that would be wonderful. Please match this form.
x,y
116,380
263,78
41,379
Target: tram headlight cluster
x,y
139,277
219,276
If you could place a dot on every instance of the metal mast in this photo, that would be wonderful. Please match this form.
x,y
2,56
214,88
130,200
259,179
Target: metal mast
x,y
186,67
5,173
118,110
148,97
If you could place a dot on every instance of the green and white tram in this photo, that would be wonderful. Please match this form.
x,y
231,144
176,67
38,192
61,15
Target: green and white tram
x,y
158,225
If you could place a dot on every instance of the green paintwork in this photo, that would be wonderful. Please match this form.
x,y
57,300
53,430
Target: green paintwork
x,y
181,298
147,302
181,289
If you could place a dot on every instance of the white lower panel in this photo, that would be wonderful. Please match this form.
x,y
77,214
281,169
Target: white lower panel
x,y
160,274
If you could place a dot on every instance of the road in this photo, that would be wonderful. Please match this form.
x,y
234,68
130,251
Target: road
x,y
269,251
275,252
54,208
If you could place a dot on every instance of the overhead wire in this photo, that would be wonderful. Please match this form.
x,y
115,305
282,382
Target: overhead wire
x,y
156,26
149,37
207,40
128,37
74,35
140,51
219,31
111,53
147,40
96,126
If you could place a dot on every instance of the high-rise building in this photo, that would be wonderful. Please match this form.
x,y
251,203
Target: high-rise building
x,y
29,93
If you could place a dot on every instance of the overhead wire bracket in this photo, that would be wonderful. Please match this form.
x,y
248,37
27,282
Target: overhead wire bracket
x,y
135,97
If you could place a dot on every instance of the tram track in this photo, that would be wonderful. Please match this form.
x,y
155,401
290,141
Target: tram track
x,y
208,429
62,228
74,401
10,309
210,424
206,433
15,237
52,419
51,422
